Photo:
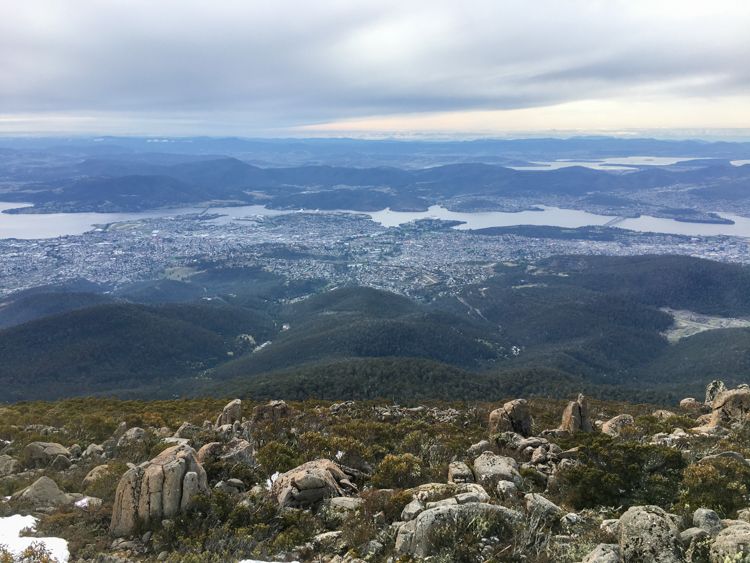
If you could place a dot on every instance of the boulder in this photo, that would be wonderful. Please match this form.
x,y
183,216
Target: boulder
x,y
238,451
513,416
211,450
730,407
120,432
730,542
9,466
648,535
134,434
310,483
490,468
663,414
713,389
708,520
691,406
94,451
60,463
42,454
604,553
158,489
94,475
539,507
232,413
576,416
417,537
346,504
610,526
697,543
506,490
479,448
615,425
272,412
459,472
187,431
43,493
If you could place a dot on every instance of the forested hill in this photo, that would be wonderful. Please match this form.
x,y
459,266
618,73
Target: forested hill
x,y
532,329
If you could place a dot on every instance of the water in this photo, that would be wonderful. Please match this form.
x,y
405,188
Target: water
x,y
60,224
620,163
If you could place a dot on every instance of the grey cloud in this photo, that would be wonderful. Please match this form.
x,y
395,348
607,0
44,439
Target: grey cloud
x,y
297,62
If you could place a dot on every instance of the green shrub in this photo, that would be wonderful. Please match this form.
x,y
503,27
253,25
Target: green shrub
x,y
720,484
398,472
278,457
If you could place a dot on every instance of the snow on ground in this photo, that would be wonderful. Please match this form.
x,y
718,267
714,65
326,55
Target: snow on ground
x,y
11,527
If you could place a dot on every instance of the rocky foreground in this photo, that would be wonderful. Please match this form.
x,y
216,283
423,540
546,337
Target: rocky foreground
x,y
348,482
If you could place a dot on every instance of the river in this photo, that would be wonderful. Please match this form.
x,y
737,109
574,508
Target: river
x,y
42,226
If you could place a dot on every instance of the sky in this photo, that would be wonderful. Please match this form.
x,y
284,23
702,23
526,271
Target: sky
x,y
414,69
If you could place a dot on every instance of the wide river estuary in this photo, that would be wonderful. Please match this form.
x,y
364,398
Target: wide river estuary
x,y
40,226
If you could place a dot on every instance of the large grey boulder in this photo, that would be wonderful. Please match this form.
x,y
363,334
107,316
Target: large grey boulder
x,y
539,507
9,466
616,425
42,454
416,538
490,468
43,493
309,483
730,542
708,520
513,416
134,434
576,416
648,535
604,553
232,412
158,489
730,408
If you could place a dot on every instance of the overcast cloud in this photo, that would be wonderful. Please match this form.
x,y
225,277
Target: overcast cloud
x,y
260,66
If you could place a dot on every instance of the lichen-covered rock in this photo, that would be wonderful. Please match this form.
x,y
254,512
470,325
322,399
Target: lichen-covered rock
x,y
231,413
490,468
310,483
9,466
615,425
713,389
134,434
663,414
42,454
43,493
730,407
513,416
272,412
576,416
416,538
459,472
539,507
648,535
731,541
157,489
697,545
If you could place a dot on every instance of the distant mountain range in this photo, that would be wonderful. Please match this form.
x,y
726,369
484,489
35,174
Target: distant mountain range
x,y
117,185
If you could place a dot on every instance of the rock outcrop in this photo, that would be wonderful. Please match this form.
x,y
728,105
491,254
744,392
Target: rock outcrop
x,y
9,466
692,407
310,483
417,537
730,407
648,535
459,472
730,542
43,493
513,416
272,412
232,413
160,488
713,389
42,454
576,416
615,425
490,469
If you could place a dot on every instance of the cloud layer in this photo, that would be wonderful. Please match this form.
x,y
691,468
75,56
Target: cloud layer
x,y
290,64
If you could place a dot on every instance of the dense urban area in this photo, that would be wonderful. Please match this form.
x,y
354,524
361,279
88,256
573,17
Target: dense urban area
x,y
343,248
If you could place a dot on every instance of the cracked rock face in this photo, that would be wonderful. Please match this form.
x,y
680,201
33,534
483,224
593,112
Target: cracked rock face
x,y
158,489
513,416
730,407
232,413
576,416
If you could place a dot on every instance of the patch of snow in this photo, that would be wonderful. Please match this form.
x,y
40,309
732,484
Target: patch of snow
x,y
269,482
11,527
